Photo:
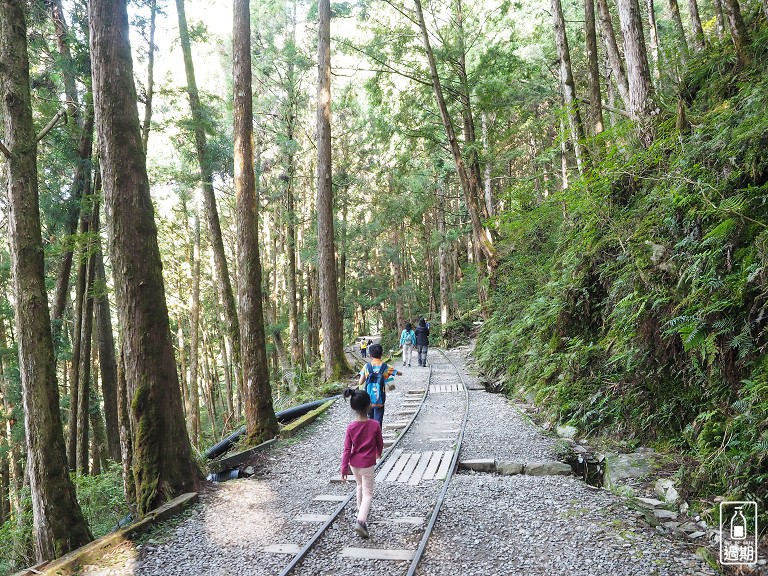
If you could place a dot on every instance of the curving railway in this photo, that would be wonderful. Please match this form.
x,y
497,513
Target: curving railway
x,y
423,430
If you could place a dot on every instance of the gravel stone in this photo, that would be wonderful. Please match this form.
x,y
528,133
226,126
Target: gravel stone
x,y
489,524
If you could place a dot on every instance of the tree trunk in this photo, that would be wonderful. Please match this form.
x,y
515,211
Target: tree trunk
x,y
260,419
739,33
487,189
107,361
84,392
397,278
653,32
126,435
717,6
193,392
698,32
593,69
150,77
80,180
641,98
674,9
612,50
446,312
77,344
162,460
68,75
221,268
568,86
470,196
58,522
291,246
335,362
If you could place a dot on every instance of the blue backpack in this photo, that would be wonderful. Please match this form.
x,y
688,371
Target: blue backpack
x,y
374,384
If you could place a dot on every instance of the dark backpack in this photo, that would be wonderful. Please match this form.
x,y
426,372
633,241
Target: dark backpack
x,y
374,384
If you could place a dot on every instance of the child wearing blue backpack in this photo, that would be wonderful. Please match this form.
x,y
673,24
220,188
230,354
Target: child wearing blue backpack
x,y
374,376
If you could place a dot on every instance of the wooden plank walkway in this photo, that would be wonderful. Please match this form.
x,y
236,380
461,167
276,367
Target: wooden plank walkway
x,y
413,467
378,553
445,388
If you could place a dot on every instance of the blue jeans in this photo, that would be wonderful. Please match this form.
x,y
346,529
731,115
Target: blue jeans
x,y
377,413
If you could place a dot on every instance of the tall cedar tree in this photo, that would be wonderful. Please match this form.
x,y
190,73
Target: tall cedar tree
x,y
162,457
59,525
221,268
333,337
260,421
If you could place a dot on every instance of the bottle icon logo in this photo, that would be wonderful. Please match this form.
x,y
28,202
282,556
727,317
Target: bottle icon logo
x,y
738,533
738,524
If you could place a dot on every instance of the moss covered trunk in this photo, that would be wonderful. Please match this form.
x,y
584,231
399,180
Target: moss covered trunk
x,y
58,522
260,420
162,458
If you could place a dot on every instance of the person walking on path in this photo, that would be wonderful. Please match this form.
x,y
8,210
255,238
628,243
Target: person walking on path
x,y
363,444
407,342
363,347
422,341
374,377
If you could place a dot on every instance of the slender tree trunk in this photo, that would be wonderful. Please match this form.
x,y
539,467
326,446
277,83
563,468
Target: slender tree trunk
x,y
568,86
397,278
162,461
593,69
487,189
674,9
699,42
470,197
58,522
77,342
80,180
107,360
446,312
653,32
221,268
84,392
126,435
291,246
194,336
641,97
150,77
717,6
335,362
68,76
739,33
260,419
99,445
612,50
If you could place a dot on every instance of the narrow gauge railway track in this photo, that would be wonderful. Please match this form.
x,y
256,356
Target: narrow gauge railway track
x,y
408,467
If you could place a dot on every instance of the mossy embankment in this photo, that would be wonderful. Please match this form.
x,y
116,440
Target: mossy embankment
x,y
635,303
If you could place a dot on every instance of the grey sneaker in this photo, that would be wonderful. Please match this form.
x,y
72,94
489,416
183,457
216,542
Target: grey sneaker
x,y
361,529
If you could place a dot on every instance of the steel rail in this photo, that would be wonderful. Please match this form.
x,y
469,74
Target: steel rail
x,y
320,531
428,532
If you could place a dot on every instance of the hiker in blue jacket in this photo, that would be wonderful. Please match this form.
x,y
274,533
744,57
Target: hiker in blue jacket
x,y
407,342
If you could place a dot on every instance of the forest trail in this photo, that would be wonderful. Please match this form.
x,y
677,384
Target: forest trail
x,y
489,524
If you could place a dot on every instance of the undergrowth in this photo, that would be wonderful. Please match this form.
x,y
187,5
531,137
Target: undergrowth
x,y
635,303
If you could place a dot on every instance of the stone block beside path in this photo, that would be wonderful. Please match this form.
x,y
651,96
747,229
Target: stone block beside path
x,y
547,469
479,465
509,468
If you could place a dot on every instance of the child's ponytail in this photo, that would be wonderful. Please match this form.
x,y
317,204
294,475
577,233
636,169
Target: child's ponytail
x,y
359,400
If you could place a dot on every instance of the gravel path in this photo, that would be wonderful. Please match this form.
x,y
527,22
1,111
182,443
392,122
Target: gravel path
x,y
490,525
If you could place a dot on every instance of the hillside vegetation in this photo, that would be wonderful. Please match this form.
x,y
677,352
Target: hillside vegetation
x,y
634,304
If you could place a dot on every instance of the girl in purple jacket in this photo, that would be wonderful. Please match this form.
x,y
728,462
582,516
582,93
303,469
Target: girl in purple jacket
x,y
363,444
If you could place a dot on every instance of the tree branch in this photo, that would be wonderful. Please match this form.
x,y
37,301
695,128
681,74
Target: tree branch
x,y
5,151
55,120
618,111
